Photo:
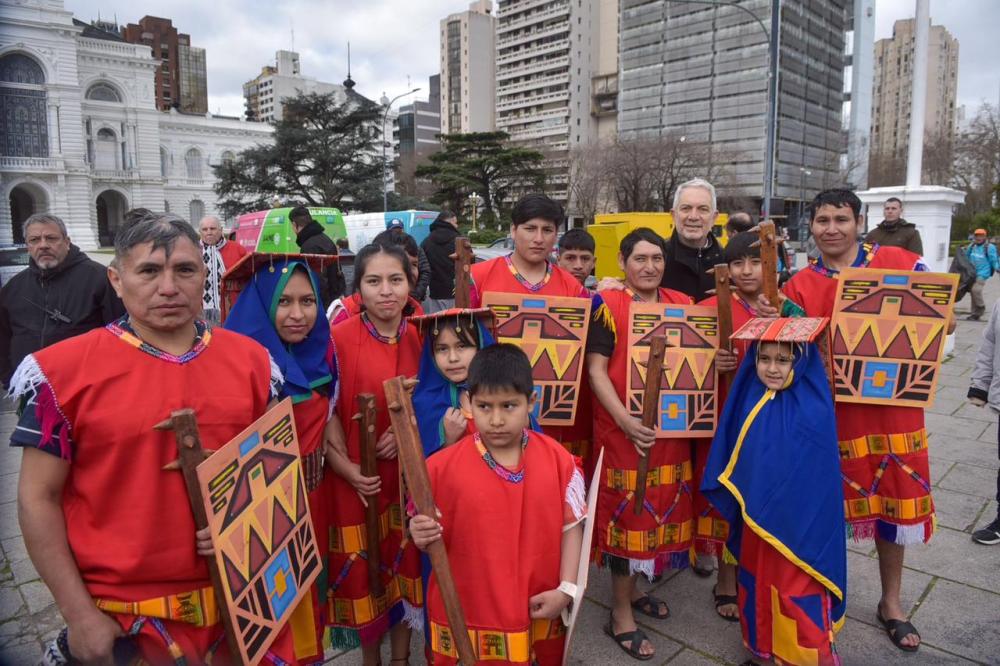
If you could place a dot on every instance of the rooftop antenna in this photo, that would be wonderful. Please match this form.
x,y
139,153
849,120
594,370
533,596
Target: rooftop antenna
x,y
349,82
292,24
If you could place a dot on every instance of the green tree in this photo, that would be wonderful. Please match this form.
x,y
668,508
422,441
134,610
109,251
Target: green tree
x,y
484,163
324,153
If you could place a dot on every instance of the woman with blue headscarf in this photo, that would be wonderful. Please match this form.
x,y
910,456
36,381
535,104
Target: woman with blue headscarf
x,y
280,308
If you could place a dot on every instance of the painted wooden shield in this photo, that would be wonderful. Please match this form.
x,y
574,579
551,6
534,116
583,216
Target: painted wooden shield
x,y
255,499
552,331
687,405
889,330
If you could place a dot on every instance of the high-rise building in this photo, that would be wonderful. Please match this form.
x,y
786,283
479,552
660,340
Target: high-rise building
x,y
892,92
264,94
467,70
180,81
547,57
700,73
859,73
418,124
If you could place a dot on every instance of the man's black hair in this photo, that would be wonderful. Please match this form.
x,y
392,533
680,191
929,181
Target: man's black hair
x,y
300,213
400,238
896,199
838,198
444,216
736,223
741,245
343,243
577,239
632,238
533,206
499,367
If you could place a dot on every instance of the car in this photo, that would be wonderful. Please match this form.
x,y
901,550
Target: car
x,y
13,260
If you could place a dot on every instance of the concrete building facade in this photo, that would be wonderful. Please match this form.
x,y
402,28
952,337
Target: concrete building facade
x,y
83,138
264,94
468,90
890,115
417,125
181,78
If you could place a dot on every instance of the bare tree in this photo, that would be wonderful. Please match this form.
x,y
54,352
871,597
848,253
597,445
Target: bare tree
x,y
977,160
589,169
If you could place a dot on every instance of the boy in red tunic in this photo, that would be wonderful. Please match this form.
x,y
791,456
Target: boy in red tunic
x,y
109,530
883,449
661,535
515,557
535,221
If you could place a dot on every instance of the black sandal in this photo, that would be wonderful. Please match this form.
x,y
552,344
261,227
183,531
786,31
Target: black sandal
x,y
726,600
635,639
897,630
645,605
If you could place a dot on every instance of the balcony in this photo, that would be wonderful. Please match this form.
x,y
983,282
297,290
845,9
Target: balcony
x,y
524,54
522,102
531,19
534,68
535,35
520,7
114,174
557,80
30,164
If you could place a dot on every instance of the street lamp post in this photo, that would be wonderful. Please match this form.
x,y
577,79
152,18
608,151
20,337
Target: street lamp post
x,y
803,172
474,200
385,161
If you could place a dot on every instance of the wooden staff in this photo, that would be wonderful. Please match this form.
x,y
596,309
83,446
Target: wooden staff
x,y
411,457
769,262
369,467
650,405
191,453
463,259
725,305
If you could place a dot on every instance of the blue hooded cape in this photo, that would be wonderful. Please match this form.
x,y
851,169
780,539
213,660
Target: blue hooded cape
x,y
774,467
304,365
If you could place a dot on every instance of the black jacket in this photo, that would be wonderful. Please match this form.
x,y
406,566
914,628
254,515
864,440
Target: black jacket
x,y
685,269
313,240
900,234
439,246
41,307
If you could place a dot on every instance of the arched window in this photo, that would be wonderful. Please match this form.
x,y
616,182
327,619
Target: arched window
x,y
106,155
196,211
102,92
23,118
164,162
227,157
192,160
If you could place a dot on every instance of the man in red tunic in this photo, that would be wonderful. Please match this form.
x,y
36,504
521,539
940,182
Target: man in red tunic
x,y
107,527
883,448
535,221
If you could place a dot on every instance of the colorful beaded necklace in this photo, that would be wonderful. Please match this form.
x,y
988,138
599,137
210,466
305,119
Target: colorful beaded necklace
x,y
378,336
498,469
524,282
865,254
636,298
123,330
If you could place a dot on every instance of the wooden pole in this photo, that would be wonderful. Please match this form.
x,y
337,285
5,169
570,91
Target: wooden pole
x,y
411,458
769,262
191,454
369,467
463,260
650,405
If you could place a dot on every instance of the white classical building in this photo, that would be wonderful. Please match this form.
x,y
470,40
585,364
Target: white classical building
x,y
81,136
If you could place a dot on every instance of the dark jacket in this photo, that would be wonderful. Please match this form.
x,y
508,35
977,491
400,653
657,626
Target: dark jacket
x,y
313,240
899,234
41,307
686,269
966,270
423,275
439,246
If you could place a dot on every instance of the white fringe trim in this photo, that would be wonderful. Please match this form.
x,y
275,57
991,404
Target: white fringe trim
x,y
412,616
907,535
277,378
576,495
26,379
645,567
334,309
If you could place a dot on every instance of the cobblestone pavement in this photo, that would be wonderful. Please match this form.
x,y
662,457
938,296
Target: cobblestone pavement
x,y
951,587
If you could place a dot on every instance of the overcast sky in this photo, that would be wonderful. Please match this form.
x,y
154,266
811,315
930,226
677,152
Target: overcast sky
x,y
394,43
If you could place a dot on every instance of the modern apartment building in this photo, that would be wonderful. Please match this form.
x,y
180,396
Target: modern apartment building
x,y
467,70
264,94
181,81
418,124
859,74
893,84
700,72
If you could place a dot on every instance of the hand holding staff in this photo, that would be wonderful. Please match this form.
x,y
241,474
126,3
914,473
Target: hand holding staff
x,y
411,458
369,467
650,405
463,259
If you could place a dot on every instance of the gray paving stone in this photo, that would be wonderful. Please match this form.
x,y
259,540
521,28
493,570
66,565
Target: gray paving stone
x,y
957,510
13,549
971,479
960,449
859,643
970,411
962,620
36,595
23,572
8,486
958,366
8,520
955,556
691,657
864,588
954,381
11,603
21,655
939,468
951,426
945,404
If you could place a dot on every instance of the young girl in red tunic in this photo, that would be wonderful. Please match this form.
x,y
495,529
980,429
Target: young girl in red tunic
x,y
370,348
510,503
280,308
661,535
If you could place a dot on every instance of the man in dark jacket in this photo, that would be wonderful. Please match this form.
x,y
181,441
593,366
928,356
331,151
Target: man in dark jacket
x,y
439,247
311,239
896,231
62,293
692,249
